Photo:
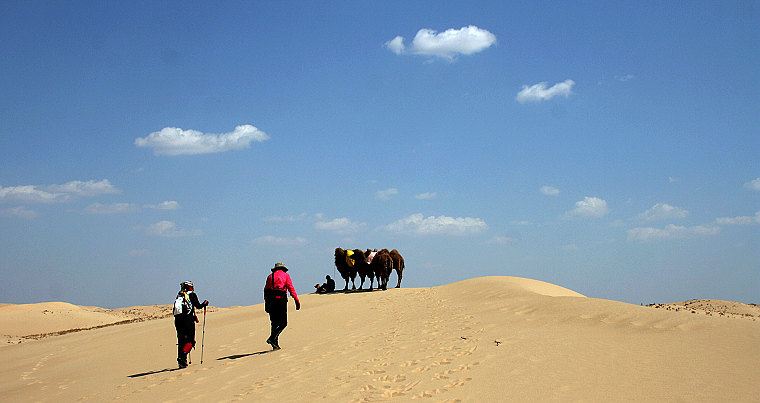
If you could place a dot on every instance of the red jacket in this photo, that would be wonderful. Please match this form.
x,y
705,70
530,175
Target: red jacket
x,y
280,281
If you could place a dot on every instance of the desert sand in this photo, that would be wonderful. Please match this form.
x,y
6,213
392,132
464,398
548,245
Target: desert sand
x,y
484,339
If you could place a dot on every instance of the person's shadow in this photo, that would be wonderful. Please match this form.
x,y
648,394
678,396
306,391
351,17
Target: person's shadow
x,y
152,372
229,357
237,356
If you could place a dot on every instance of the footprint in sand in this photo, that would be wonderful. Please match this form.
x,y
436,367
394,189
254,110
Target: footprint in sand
x,y
391,378
458,382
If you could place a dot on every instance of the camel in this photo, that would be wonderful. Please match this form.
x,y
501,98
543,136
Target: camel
x,y
364,267
398,265
382,265
346,267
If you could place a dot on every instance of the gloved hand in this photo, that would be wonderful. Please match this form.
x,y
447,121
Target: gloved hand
x,y
298,305
205,303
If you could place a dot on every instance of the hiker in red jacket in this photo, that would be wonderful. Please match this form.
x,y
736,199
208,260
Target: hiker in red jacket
x,y
276,301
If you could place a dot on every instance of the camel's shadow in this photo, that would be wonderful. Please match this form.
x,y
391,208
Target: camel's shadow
x,y
237,356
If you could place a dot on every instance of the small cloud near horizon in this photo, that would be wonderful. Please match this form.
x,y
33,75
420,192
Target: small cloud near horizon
x,y
342,225
549,190
386,194
447,44
426,196
663,211
58,193
739,220
173,141
589,207
169,229
441,225
670,231
164,205
754,185
540,92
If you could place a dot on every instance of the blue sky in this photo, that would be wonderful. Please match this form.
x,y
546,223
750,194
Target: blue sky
x,y
609,147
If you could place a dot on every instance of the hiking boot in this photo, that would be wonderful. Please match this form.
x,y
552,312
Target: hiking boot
x,y
181,363
273,343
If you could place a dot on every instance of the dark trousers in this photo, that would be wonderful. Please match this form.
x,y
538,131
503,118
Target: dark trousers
x,y
185,334
278,315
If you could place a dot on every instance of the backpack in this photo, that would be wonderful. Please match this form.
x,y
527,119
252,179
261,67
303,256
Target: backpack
x,y
182,305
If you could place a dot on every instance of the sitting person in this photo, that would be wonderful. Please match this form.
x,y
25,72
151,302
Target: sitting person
x,y
329,286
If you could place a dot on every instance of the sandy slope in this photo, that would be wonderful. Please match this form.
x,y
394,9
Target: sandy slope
x,y
485,339
24,322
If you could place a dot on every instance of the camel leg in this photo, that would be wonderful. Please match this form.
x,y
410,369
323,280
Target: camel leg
x,y
400,275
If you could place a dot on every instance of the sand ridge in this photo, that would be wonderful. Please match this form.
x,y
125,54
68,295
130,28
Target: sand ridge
x,y
484,339
24,322
714,307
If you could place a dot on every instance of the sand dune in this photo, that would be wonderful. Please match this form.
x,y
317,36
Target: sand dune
x,y
714,307
23,322
484,339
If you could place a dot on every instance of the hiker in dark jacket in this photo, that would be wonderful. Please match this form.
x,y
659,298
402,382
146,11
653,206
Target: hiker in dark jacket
x,y
328,286
276,301
185,319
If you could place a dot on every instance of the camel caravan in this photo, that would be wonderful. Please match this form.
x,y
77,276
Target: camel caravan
x,y
372,264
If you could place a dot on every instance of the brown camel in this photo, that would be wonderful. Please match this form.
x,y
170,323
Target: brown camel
x,y
382,265
363,267
344,268
398,265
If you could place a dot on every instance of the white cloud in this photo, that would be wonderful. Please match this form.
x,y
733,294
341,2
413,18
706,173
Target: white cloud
x,y
169,229
549,190
539,92
176,141
164,205
115,208
670,231
663,211
589,207
20,211
396,45
285,219
386,194
85,188
31,193
754,184
447,44
441,225
740,220
426,196
57,193
340,225
673,179
279,241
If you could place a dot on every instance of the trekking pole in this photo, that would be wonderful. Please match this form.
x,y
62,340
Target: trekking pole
x,y
203,338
